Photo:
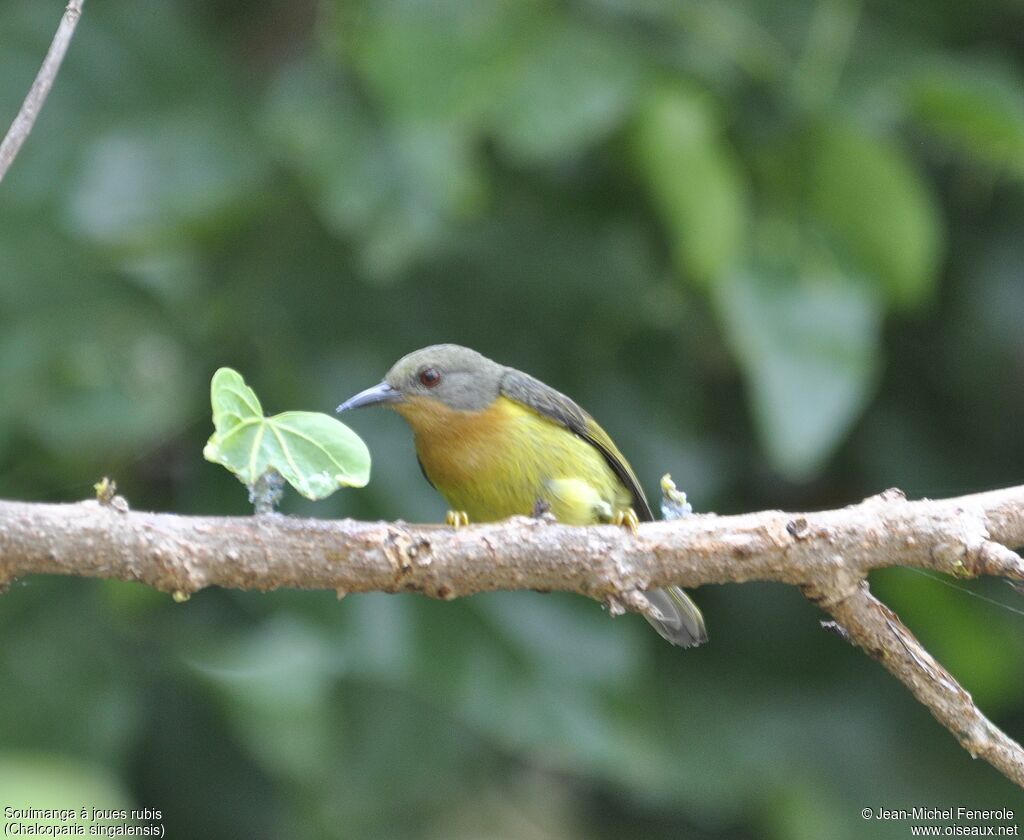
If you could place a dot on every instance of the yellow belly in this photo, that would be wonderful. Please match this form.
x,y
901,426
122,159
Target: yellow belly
x,y
501,461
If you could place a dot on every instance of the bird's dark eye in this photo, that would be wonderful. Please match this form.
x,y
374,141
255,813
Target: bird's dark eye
x,y
429,377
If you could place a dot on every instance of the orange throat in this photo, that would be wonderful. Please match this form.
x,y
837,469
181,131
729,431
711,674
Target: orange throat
x,y
455,447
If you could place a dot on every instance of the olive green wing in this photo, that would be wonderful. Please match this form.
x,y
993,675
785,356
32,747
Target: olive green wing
x,y
556,406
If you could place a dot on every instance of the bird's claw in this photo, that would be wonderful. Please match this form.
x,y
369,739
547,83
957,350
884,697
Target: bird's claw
x,y
627,519
457,518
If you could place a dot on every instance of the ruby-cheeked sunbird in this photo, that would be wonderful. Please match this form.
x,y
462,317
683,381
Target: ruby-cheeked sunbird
x,y
495,442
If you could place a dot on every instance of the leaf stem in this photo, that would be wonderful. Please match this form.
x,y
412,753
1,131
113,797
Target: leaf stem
x,y
267,491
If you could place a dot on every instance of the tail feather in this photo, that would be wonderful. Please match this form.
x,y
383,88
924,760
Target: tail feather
x,y
682,623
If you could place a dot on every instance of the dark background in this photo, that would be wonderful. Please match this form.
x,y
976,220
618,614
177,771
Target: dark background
x,y
775,247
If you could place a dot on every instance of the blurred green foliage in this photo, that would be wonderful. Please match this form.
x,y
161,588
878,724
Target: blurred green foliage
x,y
774,247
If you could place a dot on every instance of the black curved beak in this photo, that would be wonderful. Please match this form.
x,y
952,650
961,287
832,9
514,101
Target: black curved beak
x,y
382,394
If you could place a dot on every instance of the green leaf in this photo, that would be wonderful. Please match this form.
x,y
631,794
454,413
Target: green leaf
x,y
694,180
880,211
145,184
438,62
398,191
807,338
564,90
83,367
314,453
546,84
277,681
57,782
979,112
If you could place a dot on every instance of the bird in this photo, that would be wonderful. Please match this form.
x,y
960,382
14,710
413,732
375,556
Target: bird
x,y
496,442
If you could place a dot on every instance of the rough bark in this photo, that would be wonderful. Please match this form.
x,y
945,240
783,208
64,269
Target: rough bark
x,y
827,554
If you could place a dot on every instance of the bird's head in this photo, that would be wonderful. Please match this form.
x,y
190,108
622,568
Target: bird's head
x,y
443,375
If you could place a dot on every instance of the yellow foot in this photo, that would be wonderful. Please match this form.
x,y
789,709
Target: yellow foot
x,y
627,518
457,518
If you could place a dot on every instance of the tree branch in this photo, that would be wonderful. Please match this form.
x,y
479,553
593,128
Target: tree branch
x,y
827,554
879,631
30,108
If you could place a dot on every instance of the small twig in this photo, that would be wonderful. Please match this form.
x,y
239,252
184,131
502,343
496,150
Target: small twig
x,y
266,493
30,108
